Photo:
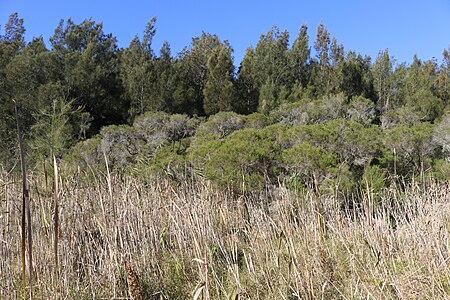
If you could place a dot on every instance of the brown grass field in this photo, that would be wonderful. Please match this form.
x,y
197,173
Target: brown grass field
x,y
194,241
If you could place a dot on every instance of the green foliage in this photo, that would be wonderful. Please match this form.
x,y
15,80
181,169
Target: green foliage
x,y
247,87
220,125
168,161
352,142
138,74
205,70
89,65
333,120
156,128
409,148
442,79
441,135
86,155
53,133
271,58
243,161
373,179
308,111
151,127
361,110
356,79
268,97
342,183
382,71
326,70
256,121
299,58
441,169
218,90
14,31
175,280
308,163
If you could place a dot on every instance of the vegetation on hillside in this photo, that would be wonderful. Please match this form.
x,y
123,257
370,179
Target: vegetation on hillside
x,y
319,115
308,172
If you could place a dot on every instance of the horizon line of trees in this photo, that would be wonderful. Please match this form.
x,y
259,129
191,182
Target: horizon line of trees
x,y
84,82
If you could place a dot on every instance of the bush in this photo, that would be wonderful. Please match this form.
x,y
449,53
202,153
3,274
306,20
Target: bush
x,y
256,121
168,162
351,141
409,148
245,160
221,124
312,111
86,154
121,145
361,110
151,126
441,135
311,164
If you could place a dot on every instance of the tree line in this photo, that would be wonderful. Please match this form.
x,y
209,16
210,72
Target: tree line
x,y
73,90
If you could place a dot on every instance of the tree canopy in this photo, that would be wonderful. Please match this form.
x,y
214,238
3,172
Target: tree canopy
x,y
307,107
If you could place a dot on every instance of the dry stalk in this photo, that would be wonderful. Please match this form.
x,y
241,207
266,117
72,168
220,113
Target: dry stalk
x,y
56,213
196,241
25,211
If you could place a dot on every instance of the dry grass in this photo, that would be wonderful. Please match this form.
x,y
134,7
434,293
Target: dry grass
x,y
192,240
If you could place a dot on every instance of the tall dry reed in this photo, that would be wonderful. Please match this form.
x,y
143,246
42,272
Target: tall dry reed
x,y
193,240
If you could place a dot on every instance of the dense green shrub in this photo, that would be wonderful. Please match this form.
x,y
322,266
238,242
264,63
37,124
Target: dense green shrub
x,y
307,163
409,149
86,154
168,161
351,141
244,160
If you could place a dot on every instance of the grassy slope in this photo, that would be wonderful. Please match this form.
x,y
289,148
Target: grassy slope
x,y
182,238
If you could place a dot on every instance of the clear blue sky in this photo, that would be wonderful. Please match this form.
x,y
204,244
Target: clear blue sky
x,y
405,27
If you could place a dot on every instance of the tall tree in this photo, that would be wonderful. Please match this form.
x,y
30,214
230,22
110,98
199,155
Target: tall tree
x,y
442,81
247,87
271,57
414,90
299,57
11,43
268,97
382,71
14,31
271,63
355,76
165,78
90,70
138,74
322,45
218,90
192,68
329,55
